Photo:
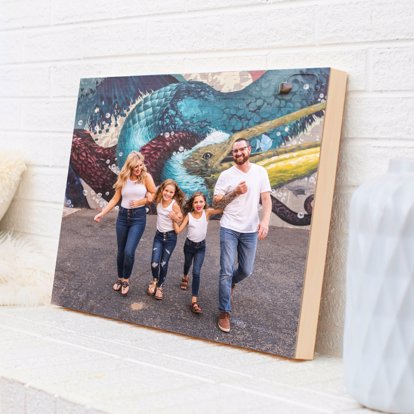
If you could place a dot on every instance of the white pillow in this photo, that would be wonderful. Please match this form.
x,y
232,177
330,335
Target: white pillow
x,y
12,167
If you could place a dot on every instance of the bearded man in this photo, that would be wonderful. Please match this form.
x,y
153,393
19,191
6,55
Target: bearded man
x,y
239,191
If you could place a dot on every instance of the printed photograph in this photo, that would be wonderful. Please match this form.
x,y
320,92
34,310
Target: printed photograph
x,y
189,203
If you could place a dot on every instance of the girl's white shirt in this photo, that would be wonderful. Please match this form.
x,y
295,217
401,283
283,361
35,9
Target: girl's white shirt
x,y
197,228
164,223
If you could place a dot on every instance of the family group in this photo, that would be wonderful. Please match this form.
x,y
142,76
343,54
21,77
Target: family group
x,y
237,196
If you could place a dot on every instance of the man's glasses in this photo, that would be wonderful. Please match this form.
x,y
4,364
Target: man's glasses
x,y
235,151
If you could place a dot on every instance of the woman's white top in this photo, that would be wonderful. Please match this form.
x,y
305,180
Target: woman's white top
x,y
132,191
197,228
164,223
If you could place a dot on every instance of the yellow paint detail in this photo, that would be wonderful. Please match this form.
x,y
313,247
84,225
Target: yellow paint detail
x,y
291,166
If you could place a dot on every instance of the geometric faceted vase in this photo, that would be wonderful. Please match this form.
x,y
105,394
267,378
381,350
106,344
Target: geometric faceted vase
x,y
379,323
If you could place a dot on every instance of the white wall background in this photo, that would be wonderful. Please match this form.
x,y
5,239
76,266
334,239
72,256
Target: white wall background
x,y
47,45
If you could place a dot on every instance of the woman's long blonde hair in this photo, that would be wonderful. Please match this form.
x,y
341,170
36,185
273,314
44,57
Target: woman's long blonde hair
x,y
133,159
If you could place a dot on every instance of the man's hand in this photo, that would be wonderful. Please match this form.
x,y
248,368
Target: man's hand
x,y
221,201
263,229
241,188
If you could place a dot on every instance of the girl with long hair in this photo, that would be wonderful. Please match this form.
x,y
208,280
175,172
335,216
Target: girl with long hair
x,y
135,188
197,216
169,199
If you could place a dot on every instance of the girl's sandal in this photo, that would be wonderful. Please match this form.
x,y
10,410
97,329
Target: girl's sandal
x,y
158,294
152,287
124,288
117,285
184,283
195,308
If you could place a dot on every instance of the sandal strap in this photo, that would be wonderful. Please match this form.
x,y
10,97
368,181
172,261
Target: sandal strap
x,y
195,306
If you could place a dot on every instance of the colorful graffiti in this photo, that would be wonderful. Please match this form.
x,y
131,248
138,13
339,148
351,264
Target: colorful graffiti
x,y
185,126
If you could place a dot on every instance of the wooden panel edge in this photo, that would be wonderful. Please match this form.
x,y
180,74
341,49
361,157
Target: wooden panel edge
x,y
318,240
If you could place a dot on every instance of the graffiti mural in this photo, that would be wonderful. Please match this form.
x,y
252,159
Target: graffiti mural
x,y
185,126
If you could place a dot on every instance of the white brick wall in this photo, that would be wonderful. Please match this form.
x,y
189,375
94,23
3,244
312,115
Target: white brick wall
x,y
46,46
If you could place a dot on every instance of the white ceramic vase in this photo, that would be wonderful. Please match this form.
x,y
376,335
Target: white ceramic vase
x,y
379,322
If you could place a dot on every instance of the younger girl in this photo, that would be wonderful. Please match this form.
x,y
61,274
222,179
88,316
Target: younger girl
x,y
135,188
195,243
168,199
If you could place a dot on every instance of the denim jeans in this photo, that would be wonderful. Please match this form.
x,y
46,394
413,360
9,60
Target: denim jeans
x,y
234,245
194,253
130,226
162,248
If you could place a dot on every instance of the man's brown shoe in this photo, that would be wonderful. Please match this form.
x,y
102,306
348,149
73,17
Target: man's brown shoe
x,y
224,321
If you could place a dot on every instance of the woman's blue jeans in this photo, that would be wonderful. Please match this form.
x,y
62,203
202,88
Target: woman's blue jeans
x,y
130,226
162,249
194,253
234,245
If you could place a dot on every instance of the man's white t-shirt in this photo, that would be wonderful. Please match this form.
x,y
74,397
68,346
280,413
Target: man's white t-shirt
x,y
242,214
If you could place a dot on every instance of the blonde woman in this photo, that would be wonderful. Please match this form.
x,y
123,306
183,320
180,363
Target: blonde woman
x,y
135,188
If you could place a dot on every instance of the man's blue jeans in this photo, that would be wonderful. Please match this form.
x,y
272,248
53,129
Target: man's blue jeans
x,y
234,245
162,249
194,253
130,226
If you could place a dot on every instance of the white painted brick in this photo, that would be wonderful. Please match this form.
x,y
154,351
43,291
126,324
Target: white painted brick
x,y
361,21
216,4
389,69
88,41
332,308
39,402
31,217
41,149
20,14
365,159
49,115
221,30
125,39
80,11
11,47
43,184
253,61
12,397
24,82
351,61
339,217
381,117
10,114
50,45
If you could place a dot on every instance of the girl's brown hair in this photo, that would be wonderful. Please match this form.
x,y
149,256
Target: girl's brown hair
x,y
179,196
188,207
133,159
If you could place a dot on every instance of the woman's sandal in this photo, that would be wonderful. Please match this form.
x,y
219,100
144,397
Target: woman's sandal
x,y
195,308
125,288
152,287
184,283
117,285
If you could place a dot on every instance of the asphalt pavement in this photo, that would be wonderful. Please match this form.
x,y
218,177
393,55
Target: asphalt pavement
x,y
266,305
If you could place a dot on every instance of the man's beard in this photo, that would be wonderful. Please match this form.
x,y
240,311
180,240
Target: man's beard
x,y
241,159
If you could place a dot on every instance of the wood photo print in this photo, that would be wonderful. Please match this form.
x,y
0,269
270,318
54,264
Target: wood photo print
x,y
261,147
